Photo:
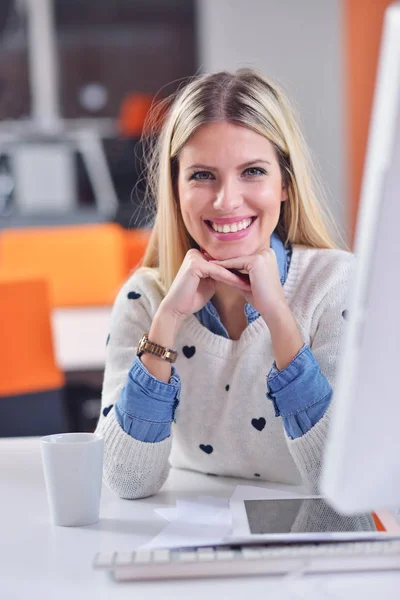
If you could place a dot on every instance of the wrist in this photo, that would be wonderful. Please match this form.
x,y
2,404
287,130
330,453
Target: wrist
x,y
165,327
163,331
278,316
285,337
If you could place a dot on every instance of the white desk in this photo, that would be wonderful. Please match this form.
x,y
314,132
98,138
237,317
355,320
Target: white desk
x,y
38,560
80,336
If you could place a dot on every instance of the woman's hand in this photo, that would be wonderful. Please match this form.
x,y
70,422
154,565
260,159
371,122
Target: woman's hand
x,y
267,296
266,292
191,289
195,284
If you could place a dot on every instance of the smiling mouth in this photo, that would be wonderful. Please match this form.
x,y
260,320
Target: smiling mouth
x,y
231,227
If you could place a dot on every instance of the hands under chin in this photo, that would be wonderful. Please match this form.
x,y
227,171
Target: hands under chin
x,y
261,271
266,295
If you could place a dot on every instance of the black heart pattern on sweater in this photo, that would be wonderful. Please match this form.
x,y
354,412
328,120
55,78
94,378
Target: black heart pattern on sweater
x,y
107,409
134,296
189,351
345,314
227,387
259,424
207,449
256,474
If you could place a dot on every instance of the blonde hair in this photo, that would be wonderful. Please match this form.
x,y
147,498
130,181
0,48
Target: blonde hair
x,y
243,98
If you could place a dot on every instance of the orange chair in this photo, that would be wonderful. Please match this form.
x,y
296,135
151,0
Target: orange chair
x,y
31,384
136,241
85,265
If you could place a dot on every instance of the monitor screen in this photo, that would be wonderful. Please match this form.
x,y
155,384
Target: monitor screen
x,y
362,460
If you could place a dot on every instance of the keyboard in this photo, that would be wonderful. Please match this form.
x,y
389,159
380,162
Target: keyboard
x,y
228,561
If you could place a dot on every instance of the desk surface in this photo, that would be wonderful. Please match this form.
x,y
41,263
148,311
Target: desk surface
x,y
39,560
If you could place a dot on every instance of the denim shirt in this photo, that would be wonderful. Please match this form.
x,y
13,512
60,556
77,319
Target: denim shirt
x,y
300,393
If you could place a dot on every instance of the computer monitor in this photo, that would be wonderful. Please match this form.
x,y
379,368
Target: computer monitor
x,y
362,461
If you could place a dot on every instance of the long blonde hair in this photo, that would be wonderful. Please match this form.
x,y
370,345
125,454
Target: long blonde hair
x,y
243,98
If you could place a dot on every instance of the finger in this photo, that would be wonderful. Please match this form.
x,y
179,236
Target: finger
x,y
205,254
224,276
243,276
234,263
220,273
234,282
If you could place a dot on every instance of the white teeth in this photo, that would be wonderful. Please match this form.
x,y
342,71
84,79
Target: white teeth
x,y
232,227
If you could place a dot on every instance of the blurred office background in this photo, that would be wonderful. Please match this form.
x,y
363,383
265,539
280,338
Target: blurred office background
x,y
76,80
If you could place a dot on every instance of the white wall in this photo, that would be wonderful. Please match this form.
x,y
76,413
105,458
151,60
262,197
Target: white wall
x,y
298,43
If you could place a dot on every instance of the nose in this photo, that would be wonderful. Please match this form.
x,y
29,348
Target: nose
x,y
229,197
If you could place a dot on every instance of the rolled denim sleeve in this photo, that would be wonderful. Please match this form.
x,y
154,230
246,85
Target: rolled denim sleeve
x,y
146,406
300,393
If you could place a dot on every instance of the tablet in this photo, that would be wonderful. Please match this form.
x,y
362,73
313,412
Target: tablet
x,y
306,518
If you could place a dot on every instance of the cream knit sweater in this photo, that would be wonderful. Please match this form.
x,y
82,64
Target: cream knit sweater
x,y
213,432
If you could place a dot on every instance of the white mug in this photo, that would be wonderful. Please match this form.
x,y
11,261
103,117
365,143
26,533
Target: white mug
x,y
73,468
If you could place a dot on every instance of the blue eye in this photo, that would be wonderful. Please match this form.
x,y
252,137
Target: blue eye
x,y
207,175
201,176
255,171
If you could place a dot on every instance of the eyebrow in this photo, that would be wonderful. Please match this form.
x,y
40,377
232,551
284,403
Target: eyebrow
x,y
242,166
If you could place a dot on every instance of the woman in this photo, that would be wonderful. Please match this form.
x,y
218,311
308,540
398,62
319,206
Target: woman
x,y
243,281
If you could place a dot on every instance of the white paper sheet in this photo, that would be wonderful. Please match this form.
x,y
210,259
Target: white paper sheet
x,y
170,514
177,534
194,521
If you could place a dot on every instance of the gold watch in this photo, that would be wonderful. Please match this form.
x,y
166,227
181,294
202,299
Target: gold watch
x,y
145,345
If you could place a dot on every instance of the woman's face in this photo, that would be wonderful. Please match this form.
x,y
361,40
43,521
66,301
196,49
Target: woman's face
x,y
230,190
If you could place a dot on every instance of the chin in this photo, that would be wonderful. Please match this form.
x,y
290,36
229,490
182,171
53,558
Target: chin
x,y
227,253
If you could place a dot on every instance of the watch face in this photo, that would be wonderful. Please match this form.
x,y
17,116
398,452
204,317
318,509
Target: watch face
x,y
142,343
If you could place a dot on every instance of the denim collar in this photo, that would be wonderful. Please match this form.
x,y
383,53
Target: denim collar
x,y
208,315
281,256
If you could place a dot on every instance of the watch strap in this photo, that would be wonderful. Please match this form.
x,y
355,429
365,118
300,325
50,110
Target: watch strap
x,y
145,345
